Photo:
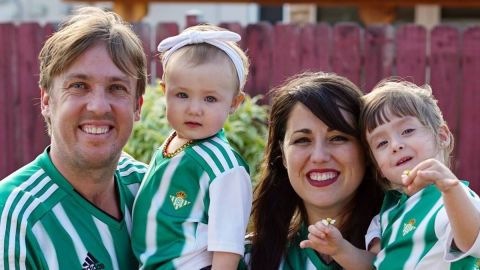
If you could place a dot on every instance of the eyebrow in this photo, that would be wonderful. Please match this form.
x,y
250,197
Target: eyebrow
x,y
303,130
309,131
124,79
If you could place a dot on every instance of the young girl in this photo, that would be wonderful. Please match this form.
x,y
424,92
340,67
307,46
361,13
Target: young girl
x,y
429,218
192,208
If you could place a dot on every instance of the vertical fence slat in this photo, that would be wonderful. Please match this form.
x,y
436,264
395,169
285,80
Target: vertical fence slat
x,y
143,31
315,47
445,75
162,31
30,129
347,53
379,55
470,113
7,94
286,53
411,61
259,44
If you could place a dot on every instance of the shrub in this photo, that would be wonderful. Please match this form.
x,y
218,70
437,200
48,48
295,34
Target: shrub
x,y
246,129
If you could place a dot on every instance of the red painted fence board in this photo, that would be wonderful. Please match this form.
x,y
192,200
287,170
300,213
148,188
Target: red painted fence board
x,y
445,75
470,110
379,55
162,31
411,42
286,53
315,47
144,33
8,91
259,44
30,127
365,56
347,51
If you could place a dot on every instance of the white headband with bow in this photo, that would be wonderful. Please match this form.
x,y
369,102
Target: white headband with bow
x,y
215,38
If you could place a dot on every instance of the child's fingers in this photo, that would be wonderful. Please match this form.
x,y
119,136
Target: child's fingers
x,y
318,236
306,244
442,181
318,229
408,176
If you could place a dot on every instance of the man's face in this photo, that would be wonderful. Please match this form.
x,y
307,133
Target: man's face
x,y
92,108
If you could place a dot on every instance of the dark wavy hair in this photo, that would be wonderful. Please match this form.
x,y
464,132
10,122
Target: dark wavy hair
x,y
278,211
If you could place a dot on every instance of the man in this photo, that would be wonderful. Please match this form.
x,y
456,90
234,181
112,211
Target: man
x,y
70,208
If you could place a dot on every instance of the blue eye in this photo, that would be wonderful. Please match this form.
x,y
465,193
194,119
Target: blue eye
x,y
181,95
78,85
210,99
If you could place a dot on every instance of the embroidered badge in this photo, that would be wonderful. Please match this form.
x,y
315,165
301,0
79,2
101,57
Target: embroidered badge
x,y
477,265
408,227
178,200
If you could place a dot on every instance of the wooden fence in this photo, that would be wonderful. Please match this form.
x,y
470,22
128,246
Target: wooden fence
x,y
448,58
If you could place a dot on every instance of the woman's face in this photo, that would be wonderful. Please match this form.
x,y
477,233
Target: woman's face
x,y
325,166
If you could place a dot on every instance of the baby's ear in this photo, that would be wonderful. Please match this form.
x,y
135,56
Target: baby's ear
x,y
163,86
236,102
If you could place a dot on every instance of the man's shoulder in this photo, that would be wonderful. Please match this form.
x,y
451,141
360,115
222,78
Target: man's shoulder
x,y
23,188
130,170
19,179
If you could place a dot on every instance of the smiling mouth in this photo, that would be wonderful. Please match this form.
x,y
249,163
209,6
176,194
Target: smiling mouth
x,y
95,130
316,176
322,179
403,160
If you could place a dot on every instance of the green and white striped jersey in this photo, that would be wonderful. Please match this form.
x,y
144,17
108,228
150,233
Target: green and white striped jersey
x,y
46,224
296,258
190,205
416,233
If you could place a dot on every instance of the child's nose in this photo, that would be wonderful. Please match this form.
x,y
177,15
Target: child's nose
x,y
398,146
195,108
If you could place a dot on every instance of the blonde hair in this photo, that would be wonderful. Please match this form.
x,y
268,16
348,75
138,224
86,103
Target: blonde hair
x,y
86,27
402,98
200,53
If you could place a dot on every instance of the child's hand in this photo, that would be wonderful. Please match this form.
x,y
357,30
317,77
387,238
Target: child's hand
x,y
324,238
430,171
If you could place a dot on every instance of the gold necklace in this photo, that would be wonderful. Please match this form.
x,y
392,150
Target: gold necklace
x,y
174,153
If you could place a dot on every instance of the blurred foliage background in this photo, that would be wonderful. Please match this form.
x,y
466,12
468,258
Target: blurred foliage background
x,y
246,129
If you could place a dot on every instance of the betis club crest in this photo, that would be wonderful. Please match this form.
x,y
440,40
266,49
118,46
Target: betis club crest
x,y
178,200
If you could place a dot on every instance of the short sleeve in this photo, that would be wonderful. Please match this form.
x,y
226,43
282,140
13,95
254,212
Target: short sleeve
x,y
373,231
229,211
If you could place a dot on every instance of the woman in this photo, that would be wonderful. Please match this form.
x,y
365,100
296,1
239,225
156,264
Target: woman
x,y
315,168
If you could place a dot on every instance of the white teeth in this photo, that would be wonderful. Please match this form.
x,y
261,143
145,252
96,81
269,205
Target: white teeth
x,y
322,176
95,129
